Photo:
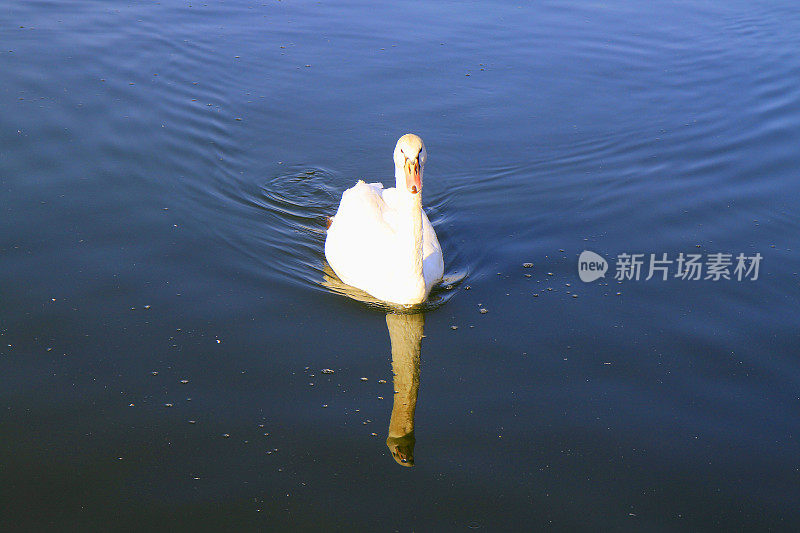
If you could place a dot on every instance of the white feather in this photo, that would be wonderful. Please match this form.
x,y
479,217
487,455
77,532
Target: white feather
x,y
368,244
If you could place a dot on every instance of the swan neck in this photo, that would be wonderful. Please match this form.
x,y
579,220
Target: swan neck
x,y
411,232
410,226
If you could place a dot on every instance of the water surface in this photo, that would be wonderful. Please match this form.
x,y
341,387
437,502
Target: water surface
x,y
166,169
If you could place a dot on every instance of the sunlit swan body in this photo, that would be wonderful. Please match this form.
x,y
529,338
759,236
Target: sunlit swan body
x,y
381,241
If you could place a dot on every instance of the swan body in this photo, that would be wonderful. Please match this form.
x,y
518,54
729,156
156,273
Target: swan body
x,y
381,241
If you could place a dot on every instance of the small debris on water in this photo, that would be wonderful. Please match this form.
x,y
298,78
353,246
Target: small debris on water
x,y
467,288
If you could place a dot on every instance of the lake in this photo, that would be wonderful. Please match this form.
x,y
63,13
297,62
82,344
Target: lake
x,y
176,353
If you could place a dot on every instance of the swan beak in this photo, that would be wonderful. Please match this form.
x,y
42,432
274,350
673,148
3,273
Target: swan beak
x,y
413,176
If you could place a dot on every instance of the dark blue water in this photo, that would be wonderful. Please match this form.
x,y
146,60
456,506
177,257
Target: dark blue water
x,y
166,312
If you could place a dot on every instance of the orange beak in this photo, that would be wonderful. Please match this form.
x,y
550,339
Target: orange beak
x,y
413,178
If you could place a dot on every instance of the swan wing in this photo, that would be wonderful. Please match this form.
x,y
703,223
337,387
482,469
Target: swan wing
x,y
361,244
432,258
360,241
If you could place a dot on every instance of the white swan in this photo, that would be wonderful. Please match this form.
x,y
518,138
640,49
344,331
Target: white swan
x,y
381,241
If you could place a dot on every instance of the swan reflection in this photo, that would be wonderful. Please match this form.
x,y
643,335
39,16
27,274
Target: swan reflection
x,y
405,334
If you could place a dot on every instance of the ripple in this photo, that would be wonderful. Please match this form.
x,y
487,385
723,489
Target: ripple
x,y
281,229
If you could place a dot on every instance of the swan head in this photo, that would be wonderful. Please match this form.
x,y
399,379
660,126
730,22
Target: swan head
x,y
402,448
409,158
